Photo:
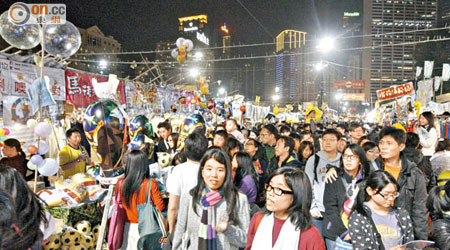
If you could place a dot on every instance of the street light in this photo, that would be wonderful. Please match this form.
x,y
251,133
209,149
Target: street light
x,y
221,91
338,96
277,89
276,97
325,45
103,64
320,65
219,82
194,72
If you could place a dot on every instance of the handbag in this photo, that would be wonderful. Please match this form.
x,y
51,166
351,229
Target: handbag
x,y
117,223
152,227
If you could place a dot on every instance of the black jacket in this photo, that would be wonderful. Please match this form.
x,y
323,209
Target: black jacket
x,y
413,197
363,234
273,165
334,197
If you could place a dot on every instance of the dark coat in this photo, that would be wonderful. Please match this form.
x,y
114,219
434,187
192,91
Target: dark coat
x,y
334,197
413,197
363,235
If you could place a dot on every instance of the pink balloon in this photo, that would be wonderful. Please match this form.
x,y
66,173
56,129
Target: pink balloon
x,y
43,129
7,132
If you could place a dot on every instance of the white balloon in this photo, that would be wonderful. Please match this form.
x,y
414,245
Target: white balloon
x,y
179,42
48,167
31,123
36,159
43,129
42,147
25,36
174,53
188,44
62,40
31,166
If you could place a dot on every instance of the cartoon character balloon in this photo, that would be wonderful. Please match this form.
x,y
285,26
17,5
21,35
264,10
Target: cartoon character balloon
x,y
184,46
141,125
104,124
191,123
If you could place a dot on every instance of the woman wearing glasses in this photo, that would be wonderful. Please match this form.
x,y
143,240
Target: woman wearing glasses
x,y
374,222
339,195
285,222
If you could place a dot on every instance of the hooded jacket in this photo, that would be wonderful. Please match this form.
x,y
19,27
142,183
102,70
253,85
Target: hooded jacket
x,y
318,185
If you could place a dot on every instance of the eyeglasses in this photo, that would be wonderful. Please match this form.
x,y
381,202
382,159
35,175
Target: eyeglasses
x,y
350,157
392,196
277,191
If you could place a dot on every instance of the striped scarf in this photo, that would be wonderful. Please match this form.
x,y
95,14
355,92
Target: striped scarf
x,y
207,238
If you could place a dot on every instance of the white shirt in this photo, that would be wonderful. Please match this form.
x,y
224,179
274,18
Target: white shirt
x,y
182,178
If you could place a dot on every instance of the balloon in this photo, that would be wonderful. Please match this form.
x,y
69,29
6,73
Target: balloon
x,y
210,104
2,132
32,149
7,132
31,123
103,123
179,42
188,44
31,166
62,40
48,167
43,148
25,36
36,159
174,53
141,123
43,129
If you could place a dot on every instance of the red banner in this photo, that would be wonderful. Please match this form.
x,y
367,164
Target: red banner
x,y
349,84
353,97
79,89
395,91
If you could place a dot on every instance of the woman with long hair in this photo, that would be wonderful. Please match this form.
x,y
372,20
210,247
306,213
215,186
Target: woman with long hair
x,y
24,229
173,142
340,195
133,189
441,158
214,214
232,146
304,152
373,155
14,156
245,175
285,222
374,222
427,134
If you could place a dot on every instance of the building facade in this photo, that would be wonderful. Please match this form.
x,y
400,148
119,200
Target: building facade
x,y
391,27
93,40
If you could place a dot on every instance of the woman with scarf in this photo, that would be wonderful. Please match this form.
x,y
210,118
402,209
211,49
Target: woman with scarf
x,y
214,214
285,222
340,194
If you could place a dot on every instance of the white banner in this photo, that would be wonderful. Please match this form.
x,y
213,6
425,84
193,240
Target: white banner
x,y
445,72
15,77
428,69
418,71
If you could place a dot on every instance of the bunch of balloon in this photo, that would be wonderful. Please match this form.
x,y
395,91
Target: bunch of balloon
x,y
182,52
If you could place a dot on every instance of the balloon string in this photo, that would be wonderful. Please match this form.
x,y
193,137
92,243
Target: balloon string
x,y
40,100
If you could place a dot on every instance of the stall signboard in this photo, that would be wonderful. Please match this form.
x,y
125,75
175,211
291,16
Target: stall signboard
x,y
349,84
353,97
79,89
395,91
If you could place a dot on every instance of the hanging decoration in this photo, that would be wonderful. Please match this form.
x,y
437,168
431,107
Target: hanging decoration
x,y
182,52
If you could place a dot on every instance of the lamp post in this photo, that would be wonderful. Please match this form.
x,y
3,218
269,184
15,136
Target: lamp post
x,y
324,46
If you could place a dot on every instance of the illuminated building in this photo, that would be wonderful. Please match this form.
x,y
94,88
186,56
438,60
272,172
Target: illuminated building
x,y
196,29
226,39
286,76
393,65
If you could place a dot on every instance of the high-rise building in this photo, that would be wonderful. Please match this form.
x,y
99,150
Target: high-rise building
x,y
388,23
93,40
443,18
287,65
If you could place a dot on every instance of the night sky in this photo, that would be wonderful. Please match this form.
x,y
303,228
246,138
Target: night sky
x,y
139,25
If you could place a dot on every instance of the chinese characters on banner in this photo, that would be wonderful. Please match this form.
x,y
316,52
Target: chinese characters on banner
x,y
353,96
79,89
349,84
395,91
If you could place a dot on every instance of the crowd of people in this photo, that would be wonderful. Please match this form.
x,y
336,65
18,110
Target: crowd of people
x,y
268,186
